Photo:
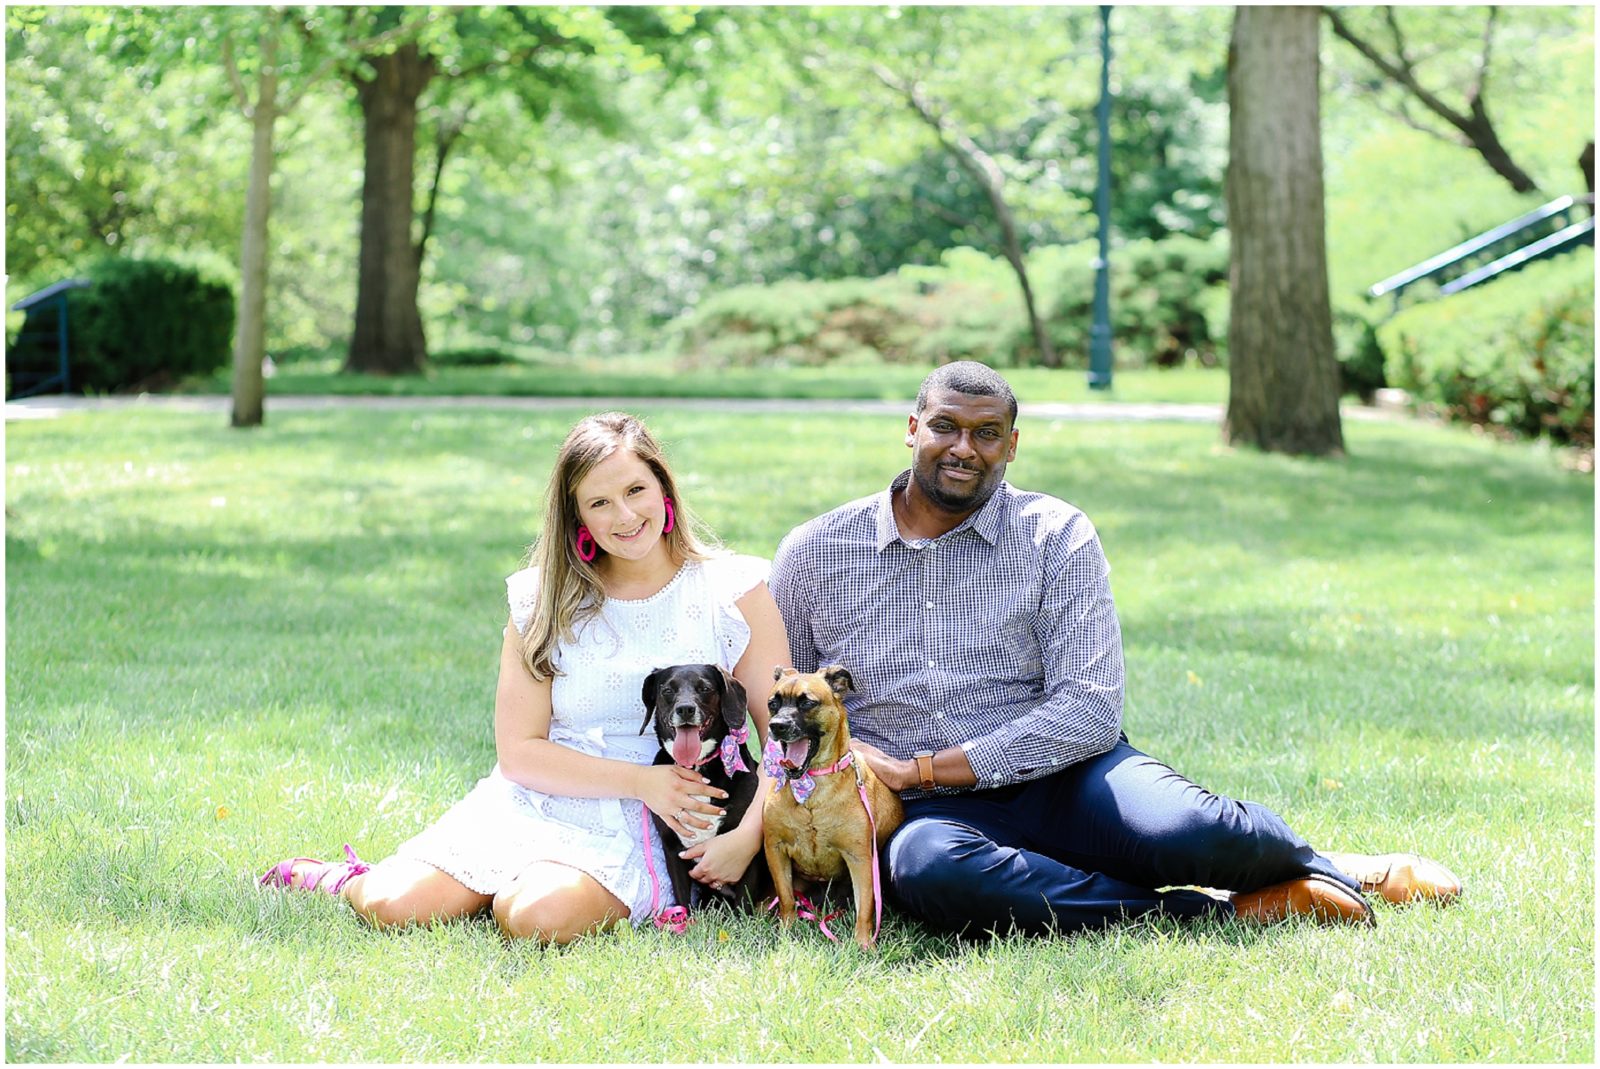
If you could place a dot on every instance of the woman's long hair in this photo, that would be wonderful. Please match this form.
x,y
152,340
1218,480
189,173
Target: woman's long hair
x,y
569,587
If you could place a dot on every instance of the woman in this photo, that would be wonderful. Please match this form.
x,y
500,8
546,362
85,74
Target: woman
x,y
552,841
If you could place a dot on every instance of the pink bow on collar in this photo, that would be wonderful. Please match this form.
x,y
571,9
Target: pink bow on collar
x,y
801,786
733,751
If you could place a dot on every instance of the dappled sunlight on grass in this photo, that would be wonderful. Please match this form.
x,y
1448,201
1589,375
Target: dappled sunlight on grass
x,y
225,649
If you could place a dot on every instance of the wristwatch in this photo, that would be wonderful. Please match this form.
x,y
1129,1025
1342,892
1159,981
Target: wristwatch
x,y
924,760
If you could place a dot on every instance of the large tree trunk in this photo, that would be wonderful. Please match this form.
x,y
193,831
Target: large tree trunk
x,y
388,336
250,342
1283,378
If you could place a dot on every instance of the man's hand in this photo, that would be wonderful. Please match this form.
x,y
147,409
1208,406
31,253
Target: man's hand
x,y
896,773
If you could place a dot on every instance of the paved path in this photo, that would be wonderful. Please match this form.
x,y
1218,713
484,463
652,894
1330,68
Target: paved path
x,y
1109,411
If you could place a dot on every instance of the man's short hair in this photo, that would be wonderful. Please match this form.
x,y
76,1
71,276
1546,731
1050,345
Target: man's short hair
x,y
969,377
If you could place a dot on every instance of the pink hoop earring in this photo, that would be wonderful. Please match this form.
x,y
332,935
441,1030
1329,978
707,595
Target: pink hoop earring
x,y
671,519
586,553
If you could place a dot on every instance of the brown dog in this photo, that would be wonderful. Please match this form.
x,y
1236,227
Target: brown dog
x,y
814,825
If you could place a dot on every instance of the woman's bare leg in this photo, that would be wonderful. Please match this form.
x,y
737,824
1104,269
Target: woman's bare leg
x,y
556,903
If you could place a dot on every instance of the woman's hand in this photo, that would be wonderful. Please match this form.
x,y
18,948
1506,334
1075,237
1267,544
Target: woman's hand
x,y
669,792
722,861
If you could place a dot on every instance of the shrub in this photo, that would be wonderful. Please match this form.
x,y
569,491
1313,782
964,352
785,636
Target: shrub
x,y
968,306
472,357
148,323
808,323
1516,353
1158,306
1361,361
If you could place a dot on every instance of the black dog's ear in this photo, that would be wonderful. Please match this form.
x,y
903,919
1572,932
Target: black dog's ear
x,y
839,679
735,705
648,696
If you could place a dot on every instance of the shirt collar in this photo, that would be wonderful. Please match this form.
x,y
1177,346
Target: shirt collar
x,y
988,521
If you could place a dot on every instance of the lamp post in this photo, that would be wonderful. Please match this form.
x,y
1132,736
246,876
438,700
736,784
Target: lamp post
x,y
1100,331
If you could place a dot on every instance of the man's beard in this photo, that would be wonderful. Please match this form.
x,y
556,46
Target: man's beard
x,y
982,489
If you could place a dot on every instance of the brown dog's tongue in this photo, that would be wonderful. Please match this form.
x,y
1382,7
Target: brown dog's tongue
x,y
686,747
794,754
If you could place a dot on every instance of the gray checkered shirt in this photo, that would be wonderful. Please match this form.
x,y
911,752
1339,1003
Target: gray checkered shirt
x,y
999,636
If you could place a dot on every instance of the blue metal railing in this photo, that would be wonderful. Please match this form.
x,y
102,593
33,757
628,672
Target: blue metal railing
x,y
1546,231
1568,237
38,361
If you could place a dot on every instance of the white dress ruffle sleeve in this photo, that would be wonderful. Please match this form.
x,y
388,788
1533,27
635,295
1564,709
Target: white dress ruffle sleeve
x,y
501,827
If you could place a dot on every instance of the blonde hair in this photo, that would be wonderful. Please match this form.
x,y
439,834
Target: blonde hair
x,y
570,591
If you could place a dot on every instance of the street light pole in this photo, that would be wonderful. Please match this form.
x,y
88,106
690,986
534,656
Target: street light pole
x,y
1100,331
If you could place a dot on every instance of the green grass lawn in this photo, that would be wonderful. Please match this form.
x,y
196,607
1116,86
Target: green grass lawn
x,y
648,375
225,648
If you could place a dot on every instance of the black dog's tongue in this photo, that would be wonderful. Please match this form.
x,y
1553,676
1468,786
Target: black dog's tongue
x,y
686,747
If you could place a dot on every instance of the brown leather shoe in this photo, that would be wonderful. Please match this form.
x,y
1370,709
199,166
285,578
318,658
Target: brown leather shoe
x,y
1322,897
1400,878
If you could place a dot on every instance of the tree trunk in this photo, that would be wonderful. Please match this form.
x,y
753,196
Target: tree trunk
x,y
1013,250
250,342
983,170
1480,131
1586,165
1475,127
388,338
1283,378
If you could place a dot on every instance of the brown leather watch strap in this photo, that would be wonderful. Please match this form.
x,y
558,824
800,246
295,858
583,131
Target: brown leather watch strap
x,y
924,762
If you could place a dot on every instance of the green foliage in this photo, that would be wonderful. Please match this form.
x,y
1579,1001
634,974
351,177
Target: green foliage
x,y
104,156
967,307
1516,354
1518,58
804,323
1360,356
477,357
1159,293
148,323
590,200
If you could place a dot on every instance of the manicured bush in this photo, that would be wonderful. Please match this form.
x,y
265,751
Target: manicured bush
x,y
1159,307
1516,353
1361,359
968,306
805,323
472,357
148,323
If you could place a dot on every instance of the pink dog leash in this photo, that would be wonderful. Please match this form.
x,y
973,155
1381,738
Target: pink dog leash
x,y
674,919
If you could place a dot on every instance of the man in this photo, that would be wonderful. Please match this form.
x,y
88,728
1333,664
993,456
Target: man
x,y
978,624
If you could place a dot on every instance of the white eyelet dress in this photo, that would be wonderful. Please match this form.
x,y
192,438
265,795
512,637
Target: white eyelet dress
x,y
501,828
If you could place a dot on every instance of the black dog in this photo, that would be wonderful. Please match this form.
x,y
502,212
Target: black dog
x,y
695,707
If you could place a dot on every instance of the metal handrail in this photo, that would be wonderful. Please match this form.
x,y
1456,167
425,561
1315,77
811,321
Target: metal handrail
x,y
1575,234
1454,255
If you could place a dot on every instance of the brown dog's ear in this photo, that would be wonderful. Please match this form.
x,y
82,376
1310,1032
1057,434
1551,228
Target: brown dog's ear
x,y
735,706
779,671
648,696
839,679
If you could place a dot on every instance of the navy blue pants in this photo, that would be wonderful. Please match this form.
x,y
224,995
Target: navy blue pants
x,y
1085,847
